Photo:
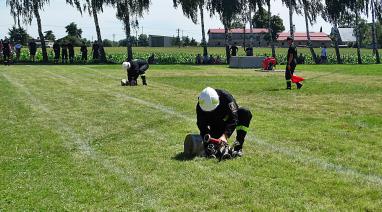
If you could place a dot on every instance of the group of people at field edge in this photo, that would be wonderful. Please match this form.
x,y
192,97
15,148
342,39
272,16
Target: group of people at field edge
x,y
207,59
64,52
9,51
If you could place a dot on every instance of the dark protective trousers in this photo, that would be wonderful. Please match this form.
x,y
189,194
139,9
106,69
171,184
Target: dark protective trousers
x,y
288,76
242,127
132,75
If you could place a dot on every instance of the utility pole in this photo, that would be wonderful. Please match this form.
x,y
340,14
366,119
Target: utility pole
x,y
113,39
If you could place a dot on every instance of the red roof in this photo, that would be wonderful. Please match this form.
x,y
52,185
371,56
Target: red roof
x,y
301,36
238,31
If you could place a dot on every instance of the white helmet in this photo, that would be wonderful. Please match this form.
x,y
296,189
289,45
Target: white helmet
x,y
126,65
208,99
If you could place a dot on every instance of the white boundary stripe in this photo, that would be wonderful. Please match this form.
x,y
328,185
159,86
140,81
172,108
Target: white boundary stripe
x,y
375,179
305,159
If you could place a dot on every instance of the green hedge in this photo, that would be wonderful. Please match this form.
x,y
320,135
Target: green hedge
x,y
189,58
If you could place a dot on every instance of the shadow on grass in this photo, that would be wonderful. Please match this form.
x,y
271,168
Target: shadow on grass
x,y
275,89
183,157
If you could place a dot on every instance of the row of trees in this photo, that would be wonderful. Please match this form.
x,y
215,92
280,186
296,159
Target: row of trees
x,y
129,11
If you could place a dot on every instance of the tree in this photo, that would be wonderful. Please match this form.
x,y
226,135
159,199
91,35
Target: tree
x,y
374,32
186,41
191,8
332,13
128,12
193,42
238,24
18,35
143,40
107,43
274,24
260,20
16,11
311,9
29,9
49,35
350,18
123,42
93,7
73,30
227,10
292,6
273,34
248,6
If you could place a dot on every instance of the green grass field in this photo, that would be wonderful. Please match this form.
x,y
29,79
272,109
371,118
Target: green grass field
x,y
72,138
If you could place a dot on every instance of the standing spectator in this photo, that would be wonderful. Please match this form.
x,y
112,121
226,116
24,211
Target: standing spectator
x,y
71,52
6,52
218,60
212,60
206,59
301,59
1,50
64,49
234,50
56,49
32,50
84,52
323,54
198,59
18,51
151,59
95,51
249,51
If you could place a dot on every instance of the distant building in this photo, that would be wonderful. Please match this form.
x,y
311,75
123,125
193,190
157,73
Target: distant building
x,y
160,41
318,39
236,37
347,36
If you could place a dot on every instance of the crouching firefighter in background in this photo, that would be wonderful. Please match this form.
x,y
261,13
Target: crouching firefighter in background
x,y
218,115
135,69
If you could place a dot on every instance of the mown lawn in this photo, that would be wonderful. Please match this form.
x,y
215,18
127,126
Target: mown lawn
x,y
72,138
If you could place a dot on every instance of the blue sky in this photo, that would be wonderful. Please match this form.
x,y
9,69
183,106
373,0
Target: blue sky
x,y
162,19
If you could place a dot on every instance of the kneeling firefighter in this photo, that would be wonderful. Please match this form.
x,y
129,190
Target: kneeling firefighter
x,y
218,115
135,69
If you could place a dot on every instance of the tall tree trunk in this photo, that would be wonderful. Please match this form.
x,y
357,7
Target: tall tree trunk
x,y
99,38
374,32
270,29
336,39
204,42
314,57
128,31
291,26
244,34
42,40
18,20
250,31
357,35
226,43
